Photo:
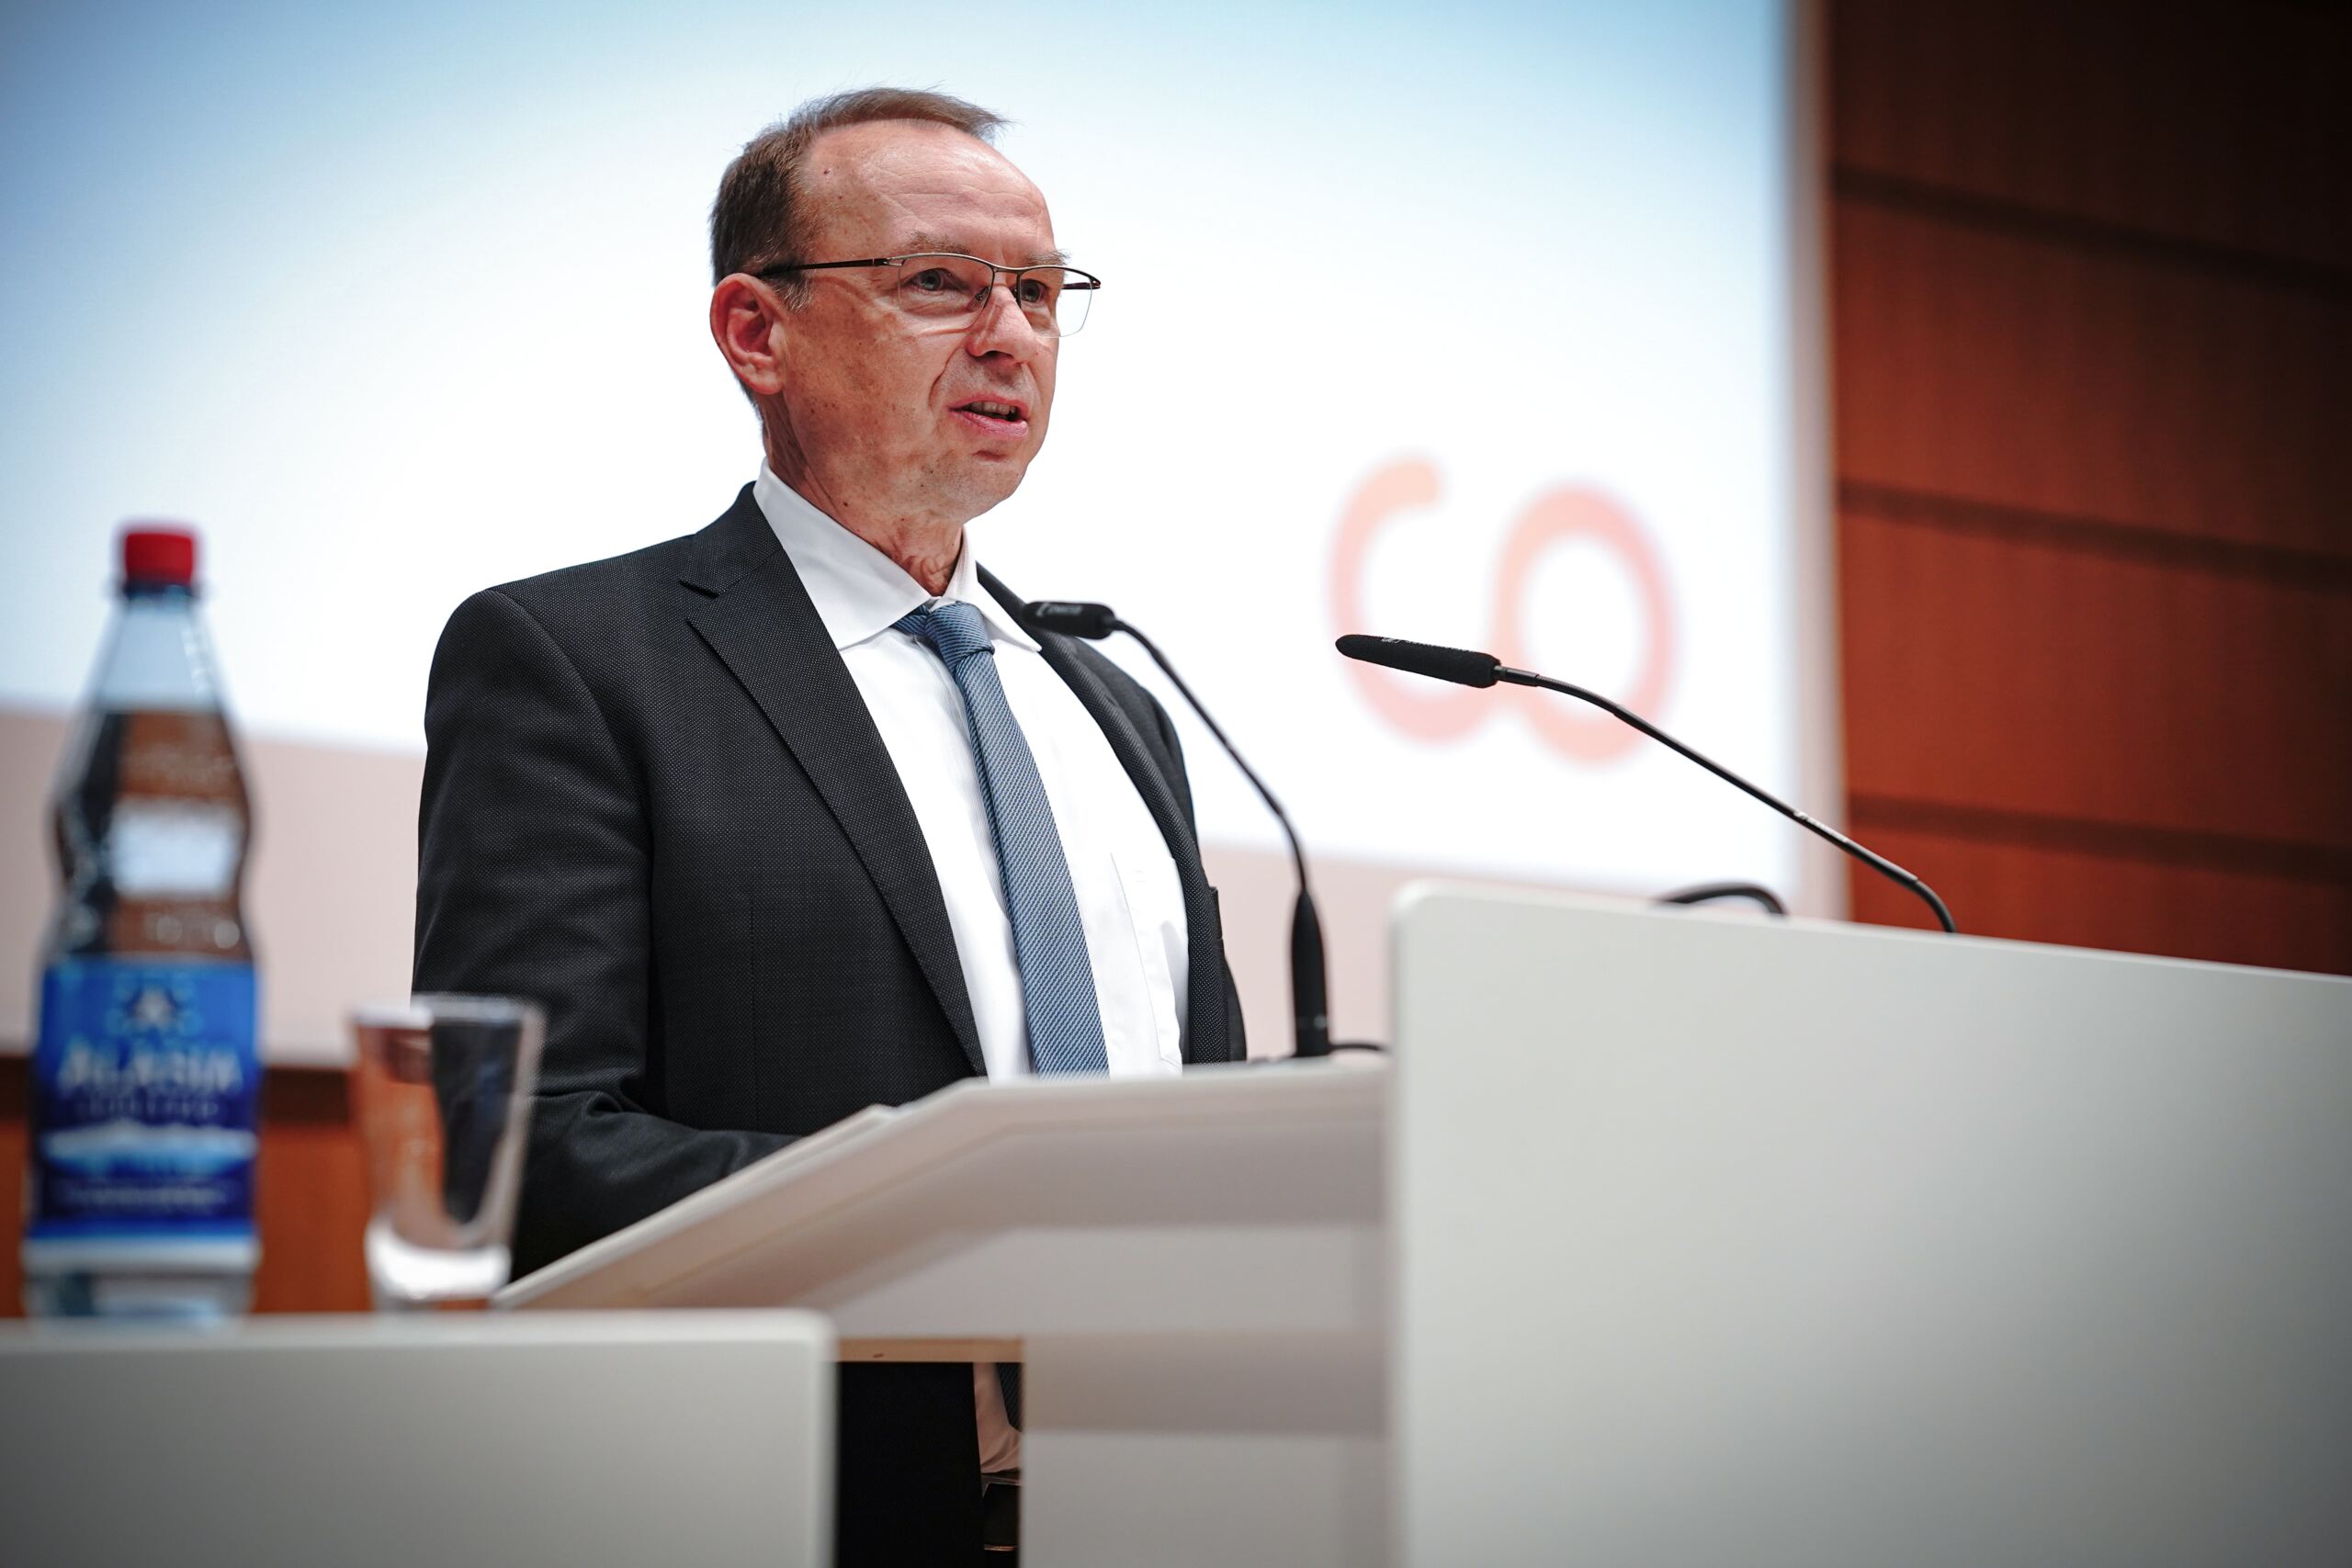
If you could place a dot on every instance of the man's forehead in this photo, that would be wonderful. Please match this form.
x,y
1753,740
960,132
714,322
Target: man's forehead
x,y
911,184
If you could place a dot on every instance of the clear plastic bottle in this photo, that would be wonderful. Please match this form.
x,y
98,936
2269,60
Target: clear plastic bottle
x,y
145,1082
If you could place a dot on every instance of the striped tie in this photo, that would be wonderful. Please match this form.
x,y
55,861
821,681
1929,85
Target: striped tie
x,y
1048,941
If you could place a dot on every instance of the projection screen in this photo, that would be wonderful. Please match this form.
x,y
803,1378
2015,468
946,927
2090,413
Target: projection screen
x,y
1489,326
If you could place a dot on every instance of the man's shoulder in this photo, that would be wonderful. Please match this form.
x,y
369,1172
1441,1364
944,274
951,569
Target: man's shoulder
x,y
598,585
704,558
639,588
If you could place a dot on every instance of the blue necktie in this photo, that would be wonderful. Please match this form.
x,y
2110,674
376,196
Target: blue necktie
x,y
1048,940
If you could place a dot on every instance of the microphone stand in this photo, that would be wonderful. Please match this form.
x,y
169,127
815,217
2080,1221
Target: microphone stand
x,y
1469,667
1708,892
1310,1022
1870,858
1310,1010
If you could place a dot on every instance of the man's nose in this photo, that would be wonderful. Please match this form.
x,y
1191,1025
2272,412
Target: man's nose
x,y
1003,327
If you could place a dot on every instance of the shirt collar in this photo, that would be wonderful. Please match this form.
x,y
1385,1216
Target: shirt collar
x,y
858,592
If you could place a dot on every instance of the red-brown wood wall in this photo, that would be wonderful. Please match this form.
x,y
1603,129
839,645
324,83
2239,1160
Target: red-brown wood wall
x,y
2091,344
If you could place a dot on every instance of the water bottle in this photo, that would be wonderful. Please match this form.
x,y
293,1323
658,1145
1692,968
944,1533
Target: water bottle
x,y
145,1078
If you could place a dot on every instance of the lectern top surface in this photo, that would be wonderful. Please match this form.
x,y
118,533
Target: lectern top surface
x,y
1266,1145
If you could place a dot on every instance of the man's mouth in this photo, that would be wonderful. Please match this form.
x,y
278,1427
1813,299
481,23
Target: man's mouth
x,y
995,417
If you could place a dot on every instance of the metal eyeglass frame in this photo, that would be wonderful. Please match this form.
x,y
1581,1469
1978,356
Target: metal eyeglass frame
x,y
1074,279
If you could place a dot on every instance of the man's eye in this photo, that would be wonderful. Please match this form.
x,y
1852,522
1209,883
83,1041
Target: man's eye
x,y
1035,291
932,281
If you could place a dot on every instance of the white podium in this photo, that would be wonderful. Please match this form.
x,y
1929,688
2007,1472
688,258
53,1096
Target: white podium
x,y
1671,1238
556,1440
1192,1270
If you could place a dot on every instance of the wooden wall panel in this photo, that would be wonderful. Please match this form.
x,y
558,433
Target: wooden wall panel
x,y
2053,679
2219,125
12,1186
312,1206
2016,372
2037,893
2092,347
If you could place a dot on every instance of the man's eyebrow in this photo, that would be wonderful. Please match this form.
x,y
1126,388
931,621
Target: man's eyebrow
x,y
918,243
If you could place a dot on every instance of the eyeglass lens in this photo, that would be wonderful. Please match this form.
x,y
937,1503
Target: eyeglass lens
x,y
951,288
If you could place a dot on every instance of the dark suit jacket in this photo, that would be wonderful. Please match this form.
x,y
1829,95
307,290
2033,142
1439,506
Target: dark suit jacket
x,y
655,802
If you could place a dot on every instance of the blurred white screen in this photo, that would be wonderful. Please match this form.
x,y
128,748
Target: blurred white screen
x,y
1465,325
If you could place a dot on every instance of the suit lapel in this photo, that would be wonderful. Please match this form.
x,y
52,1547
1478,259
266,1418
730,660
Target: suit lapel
x,y
761,623
1206,1021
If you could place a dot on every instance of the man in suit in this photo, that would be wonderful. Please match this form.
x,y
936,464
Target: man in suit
x,y
794,815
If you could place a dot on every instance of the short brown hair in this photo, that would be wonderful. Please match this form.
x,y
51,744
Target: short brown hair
x,y
757,220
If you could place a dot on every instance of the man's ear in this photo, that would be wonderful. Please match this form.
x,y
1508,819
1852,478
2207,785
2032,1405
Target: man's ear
x,y
747,321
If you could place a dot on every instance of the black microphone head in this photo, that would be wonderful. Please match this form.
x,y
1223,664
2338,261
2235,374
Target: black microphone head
x,y
1459,665
1072,617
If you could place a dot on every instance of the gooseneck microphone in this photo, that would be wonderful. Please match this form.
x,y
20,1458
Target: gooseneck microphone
x,y
1093,622
1466,668
1311,1023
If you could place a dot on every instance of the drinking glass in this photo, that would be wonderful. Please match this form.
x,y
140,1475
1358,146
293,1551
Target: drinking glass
x,y
444,1096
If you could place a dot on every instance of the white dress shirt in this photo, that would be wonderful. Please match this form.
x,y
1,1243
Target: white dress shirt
x,y
1129,901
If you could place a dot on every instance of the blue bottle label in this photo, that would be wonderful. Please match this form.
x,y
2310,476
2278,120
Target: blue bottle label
x,y
145,1086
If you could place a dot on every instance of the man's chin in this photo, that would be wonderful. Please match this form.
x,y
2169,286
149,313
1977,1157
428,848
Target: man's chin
x,y
991,478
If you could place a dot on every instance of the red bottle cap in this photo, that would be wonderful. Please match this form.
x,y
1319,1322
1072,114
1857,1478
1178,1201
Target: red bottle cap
x,y
155,553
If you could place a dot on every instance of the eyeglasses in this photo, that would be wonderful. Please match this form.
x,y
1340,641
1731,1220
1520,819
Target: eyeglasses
x,y
945,292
